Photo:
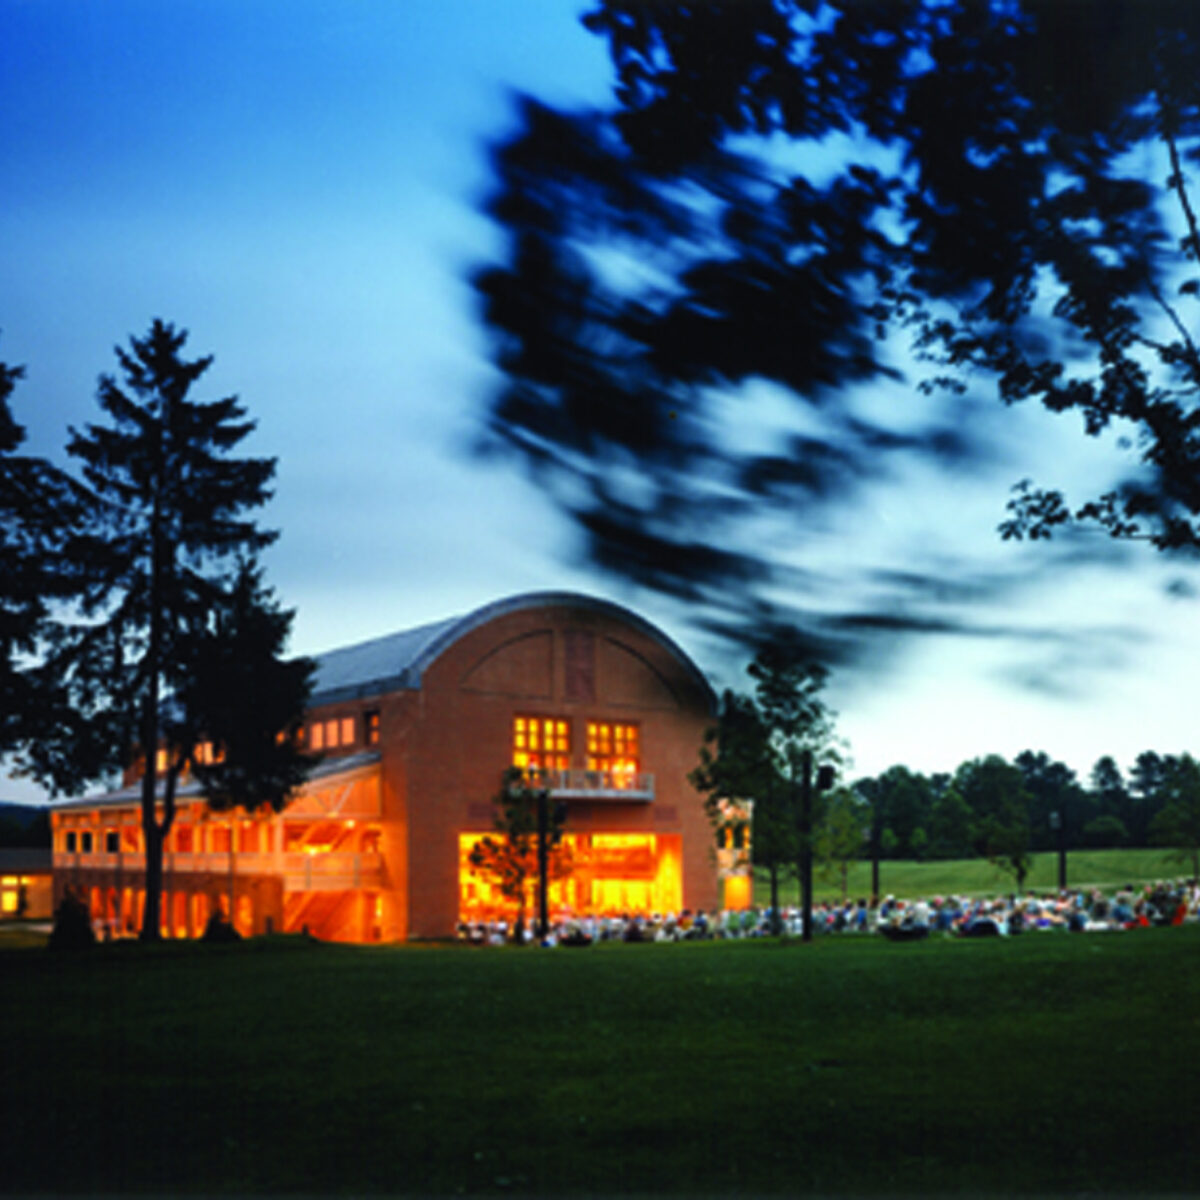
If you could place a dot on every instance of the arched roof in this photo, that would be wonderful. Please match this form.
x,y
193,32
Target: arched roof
x,y
398,661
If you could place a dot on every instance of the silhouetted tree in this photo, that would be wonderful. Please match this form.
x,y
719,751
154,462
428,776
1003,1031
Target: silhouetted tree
x,y
240,694
39,510
764,745
168,528
510,859
737,765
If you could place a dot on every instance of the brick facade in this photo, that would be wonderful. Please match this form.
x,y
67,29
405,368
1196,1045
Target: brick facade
x,y
424,726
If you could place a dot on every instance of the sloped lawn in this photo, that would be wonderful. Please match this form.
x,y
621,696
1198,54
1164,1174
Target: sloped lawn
x,y
1044,1063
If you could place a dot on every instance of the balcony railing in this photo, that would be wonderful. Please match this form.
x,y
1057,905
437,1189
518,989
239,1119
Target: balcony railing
x,y
301,872
628,786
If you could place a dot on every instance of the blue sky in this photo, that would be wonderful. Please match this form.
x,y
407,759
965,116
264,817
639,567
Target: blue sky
x,y
298,185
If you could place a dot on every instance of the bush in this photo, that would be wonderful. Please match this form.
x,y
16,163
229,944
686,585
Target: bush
x,y
1104,832
220,930
72,924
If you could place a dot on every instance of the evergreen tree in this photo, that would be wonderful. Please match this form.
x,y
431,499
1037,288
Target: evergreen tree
x,y
1146,778
240,696
1110,796
166,530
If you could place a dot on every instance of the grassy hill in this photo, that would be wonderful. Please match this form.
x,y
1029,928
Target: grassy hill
x,y
1106,869
1046,1064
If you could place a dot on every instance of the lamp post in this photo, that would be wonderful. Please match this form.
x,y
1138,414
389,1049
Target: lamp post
x,y
549,831
824,780
543,858
1059,825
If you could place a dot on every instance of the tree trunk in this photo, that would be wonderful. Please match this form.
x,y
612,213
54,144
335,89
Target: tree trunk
x,y
151,834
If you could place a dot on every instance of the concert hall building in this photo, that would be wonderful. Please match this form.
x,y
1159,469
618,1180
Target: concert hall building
x,y
415,730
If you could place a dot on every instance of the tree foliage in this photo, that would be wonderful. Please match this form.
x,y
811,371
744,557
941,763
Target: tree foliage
x,y
816,197
761,749
165,555
39,508
510,859
240,694
995,792
840,836
1177,823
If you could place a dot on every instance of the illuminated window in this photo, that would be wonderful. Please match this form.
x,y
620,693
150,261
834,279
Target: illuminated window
x,y
613,747
183,839
371,720
541,743
347,731
204,754
316,737
331,734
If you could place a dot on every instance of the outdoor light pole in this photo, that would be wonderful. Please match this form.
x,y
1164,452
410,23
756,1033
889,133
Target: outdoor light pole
x,y
825,776
1059,825
543,858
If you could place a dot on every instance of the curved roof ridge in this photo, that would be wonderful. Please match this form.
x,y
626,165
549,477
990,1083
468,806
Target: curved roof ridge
x,y
399,660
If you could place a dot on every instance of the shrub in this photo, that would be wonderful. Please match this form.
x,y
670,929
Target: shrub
x,y
220,930
72,924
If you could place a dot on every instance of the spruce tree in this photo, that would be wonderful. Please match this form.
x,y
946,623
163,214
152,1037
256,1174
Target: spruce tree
x,y
166,533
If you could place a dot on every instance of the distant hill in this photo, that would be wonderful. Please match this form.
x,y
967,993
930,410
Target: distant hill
x,y
24,824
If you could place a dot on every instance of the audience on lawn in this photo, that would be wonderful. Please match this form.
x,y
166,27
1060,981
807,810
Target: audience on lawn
x,y
1074,910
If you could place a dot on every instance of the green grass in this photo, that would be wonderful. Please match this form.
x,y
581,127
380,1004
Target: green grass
x,y
1106,869
1047,1063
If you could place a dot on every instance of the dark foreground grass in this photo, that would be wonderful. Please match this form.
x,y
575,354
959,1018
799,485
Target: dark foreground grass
x,y
1046,1063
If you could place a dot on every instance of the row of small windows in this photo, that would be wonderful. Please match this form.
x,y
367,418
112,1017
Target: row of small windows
x,y
544,743
319,735
340,732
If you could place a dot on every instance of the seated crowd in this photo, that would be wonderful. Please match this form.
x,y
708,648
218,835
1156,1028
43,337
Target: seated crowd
x,y
1075,910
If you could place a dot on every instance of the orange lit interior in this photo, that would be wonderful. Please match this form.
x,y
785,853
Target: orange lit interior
x,y
542,743
739,891
612,875
613,747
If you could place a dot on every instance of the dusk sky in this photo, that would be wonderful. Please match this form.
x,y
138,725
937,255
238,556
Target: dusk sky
x,y
298,184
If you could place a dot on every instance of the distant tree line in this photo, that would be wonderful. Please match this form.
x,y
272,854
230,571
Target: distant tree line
x,y
1034,800
766,745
